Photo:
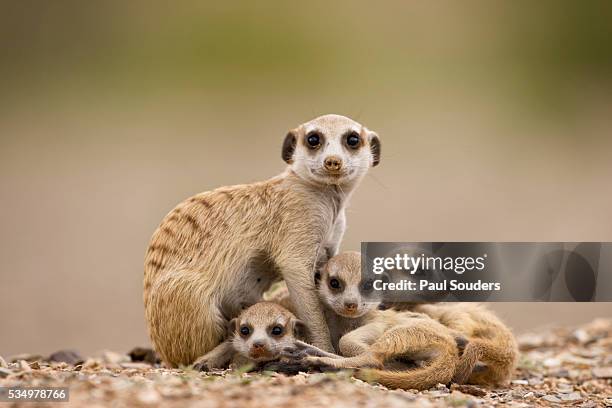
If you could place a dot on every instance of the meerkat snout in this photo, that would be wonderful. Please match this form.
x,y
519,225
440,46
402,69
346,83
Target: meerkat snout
x,y
350,305
333,163
331,149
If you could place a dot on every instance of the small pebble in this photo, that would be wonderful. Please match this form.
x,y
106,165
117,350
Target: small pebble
x,y
560,373
66,356
5,372
535,381
565,388
581,336
574,396
602,372
115,358
551,398
552,362
24,366
148,397
25,356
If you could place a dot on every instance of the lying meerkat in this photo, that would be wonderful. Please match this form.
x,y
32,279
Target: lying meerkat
x,y
218,251
262,333
490,342
392,343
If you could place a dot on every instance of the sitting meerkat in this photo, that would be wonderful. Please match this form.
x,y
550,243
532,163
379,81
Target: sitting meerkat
x,y
490,342
262,333
218,251
405,349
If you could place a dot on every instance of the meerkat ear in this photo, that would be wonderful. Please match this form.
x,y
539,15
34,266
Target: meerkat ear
x,y
289,146
232,326
374,148
300,330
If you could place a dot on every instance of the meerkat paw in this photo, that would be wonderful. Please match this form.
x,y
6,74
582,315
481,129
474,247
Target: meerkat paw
x,y
206,364
293,354
319,361
201,365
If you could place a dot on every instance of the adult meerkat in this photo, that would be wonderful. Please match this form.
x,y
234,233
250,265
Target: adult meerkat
x,y
219,251
262,333
490,342
405,349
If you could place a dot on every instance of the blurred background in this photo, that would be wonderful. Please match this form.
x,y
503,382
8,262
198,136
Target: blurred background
x,y
495,120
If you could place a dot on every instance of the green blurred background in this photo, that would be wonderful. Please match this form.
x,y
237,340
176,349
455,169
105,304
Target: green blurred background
x,y
495,119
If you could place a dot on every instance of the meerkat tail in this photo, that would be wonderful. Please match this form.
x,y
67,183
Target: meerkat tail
x,y
411,341
440,370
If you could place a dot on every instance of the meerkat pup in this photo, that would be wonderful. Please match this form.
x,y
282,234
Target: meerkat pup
x,y
491,354
407,350
218,251
262,333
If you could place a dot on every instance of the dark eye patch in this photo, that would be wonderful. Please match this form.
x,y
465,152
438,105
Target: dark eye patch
x,y
335,284
313,140
276,329
367,286
352,140
245,330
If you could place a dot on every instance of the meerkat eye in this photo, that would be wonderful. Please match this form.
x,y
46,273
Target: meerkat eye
x,y
352,140
314,140
334,283
277,330
244,330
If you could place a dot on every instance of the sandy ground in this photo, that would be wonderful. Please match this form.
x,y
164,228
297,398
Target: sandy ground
x,y
558,367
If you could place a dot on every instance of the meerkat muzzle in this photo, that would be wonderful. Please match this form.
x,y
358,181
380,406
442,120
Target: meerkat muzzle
x,y
333,164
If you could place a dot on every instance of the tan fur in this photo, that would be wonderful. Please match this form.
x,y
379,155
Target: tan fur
x,y
218,251
489,341
383,340
261,344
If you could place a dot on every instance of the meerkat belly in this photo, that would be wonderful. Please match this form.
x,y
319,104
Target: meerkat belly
x,y
251,282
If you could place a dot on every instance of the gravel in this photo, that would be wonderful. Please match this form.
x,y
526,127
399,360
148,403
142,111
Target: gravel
x,y
558,367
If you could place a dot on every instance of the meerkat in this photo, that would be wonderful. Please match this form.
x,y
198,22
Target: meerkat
x,y
403,349
490,342
218,251
260,334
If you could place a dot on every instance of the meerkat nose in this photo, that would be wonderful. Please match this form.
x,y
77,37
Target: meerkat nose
x,y
258,344
350,305
333,163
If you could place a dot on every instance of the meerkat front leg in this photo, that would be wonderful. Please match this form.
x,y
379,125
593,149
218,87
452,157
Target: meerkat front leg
x,y
333,242
299,276
354,347
367,359
219,357
302,349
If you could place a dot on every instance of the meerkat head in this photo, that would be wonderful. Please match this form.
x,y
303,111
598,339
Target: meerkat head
x,y
341,287
263,331
331,149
